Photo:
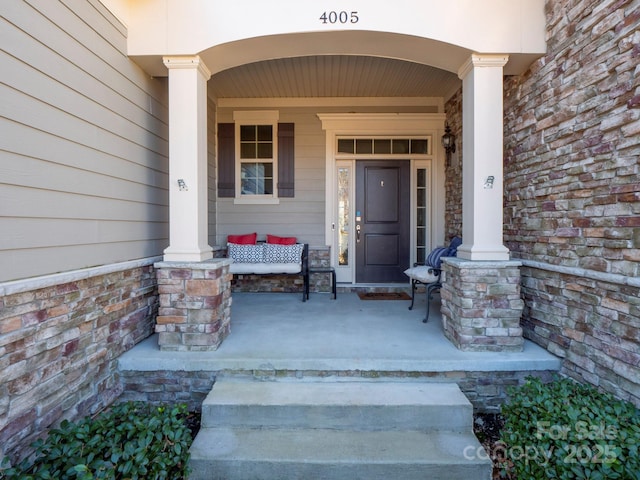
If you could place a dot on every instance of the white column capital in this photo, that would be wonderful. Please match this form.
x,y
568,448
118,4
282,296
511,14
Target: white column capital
x,y
187,62
479,60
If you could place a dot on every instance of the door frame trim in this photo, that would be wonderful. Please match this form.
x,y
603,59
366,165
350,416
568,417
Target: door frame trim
x,y
385,124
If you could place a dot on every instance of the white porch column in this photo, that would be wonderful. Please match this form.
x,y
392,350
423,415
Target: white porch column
x,y
188,232
482,176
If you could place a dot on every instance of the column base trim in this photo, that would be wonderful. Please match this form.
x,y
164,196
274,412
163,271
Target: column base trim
x,y
492,253
179,255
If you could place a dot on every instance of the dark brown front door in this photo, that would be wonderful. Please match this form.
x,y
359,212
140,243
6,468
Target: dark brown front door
x,y
382,220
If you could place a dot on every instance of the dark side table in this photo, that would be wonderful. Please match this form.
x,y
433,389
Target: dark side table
x,y
330,270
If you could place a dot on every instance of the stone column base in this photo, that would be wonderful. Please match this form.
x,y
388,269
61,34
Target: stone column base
x,y
195,304
481,305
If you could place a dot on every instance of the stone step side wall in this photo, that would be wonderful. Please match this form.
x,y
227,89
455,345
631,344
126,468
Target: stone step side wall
x,y
485,390
167,387
59,344
591,323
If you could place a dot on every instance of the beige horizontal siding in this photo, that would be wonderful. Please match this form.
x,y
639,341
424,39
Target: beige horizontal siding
x,y
17,232
83,154
52,178
58,259
20,202
48,149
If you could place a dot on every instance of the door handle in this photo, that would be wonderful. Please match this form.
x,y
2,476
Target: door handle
x,y
358,233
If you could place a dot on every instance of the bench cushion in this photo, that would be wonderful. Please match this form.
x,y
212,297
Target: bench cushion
x,y
265,258
274,253
264,268
246,253
422,274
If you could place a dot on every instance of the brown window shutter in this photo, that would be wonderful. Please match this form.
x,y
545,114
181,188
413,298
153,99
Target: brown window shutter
x,y
286,167
226,160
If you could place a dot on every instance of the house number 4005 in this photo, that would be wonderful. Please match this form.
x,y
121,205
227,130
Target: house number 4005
x,y
339,17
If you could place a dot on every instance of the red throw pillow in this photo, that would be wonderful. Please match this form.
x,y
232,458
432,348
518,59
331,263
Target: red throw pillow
x,y
281,240
246,239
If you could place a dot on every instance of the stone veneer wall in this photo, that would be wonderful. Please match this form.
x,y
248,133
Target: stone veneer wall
x,y
167,386
485,390
60,338
481,305
453,170
319,257
572,183
195,305
590,322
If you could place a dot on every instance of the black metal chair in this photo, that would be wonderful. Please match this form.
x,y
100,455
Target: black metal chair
x,y
428,276
430,273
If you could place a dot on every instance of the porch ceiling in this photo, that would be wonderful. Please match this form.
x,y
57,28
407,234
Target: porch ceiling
x,y
333,76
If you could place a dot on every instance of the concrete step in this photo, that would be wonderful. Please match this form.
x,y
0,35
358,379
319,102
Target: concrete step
x,y
339,405
337,431
327,454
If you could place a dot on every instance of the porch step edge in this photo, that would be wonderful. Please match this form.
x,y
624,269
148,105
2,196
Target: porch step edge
x,y
147,357
338,405
228,453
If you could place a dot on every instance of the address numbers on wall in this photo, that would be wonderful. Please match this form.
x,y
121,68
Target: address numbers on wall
x,y
334,17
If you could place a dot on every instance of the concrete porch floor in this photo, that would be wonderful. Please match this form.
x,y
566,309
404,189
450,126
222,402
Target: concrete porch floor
x,y
277,331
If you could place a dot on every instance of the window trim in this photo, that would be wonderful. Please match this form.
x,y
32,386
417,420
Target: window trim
x,y
391,139
260,117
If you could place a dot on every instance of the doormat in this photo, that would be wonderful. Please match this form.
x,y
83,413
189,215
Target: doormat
x,y
384,296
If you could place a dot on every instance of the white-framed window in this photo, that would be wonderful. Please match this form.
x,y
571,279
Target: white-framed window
x,y
384,145
256,134
422,210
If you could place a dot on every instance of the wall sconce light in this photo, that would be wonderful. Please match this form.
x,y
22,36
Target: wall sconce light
x,y
448,142
488,182
181,185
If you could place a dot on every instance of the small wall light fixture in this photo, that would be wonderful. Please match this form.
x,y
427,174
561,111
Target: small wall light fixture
x,y
448,142
181,185
488,182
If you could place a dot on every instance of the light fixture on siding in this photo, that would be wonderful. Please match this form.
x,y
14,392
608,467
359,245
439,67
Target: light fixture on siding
x,y
448,142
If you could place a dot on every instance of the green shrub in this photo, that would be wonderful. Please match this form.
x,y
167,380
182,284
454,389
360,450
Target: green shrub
x,y
132,440
565,430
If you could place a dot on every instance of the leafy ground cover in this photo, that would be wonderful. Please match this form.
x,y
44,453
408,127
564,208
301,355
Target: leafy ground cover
x,y
133,440
566,430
